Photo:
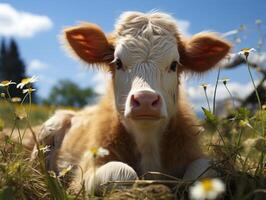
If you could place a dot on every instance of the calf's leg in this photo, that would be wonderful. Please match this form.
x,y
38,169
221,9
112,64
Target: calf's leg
x,y
52,134
111,171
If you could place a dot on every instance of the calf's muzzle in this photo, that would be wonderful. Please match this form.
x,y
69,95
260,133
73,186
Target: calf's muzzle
x,y
145,105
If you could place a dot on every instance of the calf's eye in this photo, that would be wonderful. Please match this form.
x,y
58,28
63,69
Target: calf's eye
x,y
118,63
173,66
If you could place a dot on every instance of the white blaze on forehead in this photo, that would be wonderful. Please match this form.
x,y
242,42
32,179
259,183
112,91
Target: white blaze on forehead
x,y
146,37
160,51
147,45
136,23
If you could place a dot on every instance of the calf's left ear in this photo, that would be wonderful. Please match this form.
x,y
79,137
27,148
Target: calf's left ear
x,y
203,51
89,43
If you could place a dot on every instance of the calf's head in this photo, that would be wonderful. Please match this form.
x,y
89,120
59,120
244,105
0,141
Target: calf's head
x,y
145,55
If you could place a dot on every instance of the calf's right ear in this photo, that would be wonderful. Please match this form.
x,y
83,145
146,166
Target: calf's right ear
x,y
203,51
89,43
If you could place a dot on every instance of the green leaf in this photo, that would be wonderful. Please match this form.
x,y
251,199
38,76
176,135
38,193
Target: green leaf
x,y
210,118
242,114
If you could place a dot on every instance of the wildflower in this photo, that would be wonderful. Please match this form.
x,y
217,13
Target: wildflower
x,y
246,51
16,99
225,80
264,107
3,95
45,149
52,174
13,168
207,189
258,22
97,152
244,123
6,83
29,90
27,81
65,171
204,85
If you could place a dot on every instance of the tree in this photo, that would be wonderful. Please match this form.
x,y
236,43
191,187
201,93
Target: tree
x,y
12,67
2,54
68,93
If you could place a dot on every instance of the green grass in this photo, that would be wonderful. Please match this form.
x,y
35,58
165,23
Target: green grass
x,y
236,143
38,114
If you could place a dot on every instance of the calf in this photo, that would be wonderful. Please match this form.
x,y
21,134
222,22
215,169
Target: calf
x,y
143,119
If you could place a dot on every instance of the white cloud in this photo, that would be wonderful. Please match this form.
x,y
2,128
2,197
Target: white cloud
x,y
257,58
37,65
238,90
183,26
21,24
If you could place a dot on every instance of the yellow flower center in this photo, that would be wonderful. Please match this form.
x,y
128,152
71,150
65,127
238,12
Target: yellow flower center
x,y
246,49
207,185
94,151
25,80
5,82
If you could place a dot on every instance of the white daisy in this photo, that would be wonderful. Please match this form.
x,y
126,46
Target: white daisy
x,y
245,52
96,152
207,189
29,90
16,99
6,83
65,171
27,81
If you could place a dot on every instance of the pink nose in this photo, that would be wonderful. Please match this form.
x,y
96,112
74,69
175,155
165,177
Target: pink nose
x,y
145,104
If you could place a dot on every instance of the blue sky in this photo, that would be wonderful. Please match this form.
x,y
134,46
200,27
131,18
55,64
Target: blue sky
x,y
43,53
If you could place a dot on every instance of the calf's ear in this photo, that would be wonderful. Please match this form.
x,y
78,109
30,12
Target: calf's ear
x,y
89,43
203,51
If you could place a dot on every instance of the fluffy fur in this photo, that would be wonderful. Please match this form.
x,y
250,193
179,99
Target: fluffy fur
x,y
147,44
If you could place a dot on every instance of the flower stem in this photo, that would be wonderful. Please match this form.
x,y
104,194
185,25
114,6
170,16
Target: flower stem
x,y
230,95
205,92
239,138
258,98
261,115
215,90
220,135
255,88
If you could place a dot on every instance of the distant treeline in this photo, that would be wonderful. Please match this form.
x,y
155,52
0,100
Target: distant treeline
x,y
64,93
12,66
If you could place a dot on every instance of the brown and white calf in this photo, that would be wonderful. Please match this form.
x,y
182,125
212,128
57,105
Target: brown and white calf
x,y
143,119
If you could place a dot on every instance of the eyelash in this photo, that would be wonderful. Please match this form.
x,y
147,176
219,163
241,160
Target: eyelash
x,y
118,63
173,66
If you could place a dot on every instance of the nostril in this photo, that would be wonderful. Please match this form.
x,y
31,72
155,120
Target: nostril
x,y
156,102
134,101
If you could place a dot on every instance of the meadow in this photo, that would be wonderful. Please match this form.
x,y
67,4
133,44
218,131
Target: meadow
x,y
236,143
